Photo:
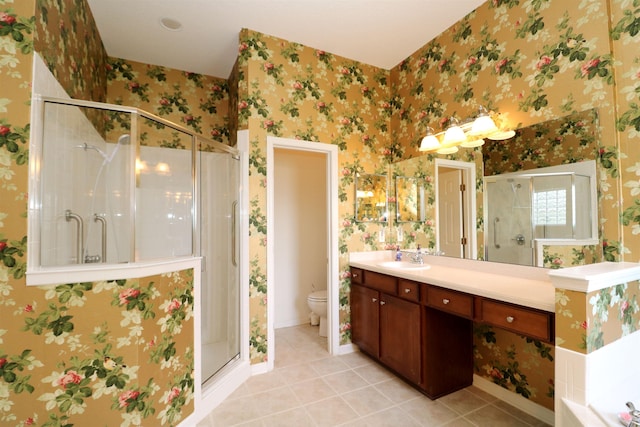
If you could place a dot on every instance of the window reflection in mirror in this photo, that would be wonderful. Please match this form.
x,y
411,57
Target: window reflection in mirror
x,y
409,199
371,198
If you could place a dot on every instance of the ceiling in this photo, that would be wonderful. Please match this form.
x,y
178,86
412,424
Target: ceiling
x,y
375,32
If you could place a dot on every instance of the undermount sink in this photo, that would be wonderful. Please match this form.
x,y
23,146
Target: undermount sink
x,y
404,265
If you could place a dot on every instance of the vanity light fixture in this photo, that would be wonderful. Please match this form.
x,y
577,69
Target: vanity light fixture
x,y
471,133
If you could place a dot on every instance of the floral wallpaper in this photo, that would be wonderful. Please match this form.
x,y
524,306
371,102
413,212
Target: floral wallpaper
x,y
68,41
521,365
195,101
119,351
293,91
587,322
526,60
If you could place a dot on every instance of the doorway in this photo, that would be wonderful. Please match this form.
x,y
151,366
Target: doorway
x,y
328,156
300,216
456,233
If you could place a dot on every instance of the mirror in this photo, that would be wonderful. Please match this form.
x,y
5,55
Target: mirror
x,y
371,198
570,139
409,199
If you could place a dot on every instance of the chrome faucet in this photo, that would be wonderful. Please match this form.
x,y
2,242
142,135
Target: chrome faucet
x,y
635,415
416,257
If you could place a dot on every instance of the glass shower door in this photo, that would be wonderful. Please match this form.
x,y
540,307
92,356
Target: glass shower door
x,y
508,232
220,308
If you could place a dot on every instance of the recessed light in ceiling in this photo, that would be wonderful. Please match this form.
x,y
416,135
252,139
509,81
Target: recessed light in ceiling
x,y
170,24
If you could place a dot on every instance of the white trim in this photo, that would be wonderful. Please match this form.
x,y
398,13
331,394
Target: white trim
x,y
259,368
347,349
513,399
99,272
331,152
245,334
469,219
230,379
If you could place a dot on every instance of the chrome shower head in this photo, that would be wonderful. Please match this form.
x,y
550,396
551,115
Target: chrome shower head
x,y
86,147
124,139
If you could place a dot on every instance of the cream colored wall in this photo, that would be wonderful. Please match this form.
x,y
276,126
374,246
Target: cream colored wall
x,y
300,203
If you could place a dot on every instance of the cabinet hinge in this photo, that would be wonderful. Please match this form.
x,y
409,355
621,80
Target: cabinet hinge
x,y
463,241
462,188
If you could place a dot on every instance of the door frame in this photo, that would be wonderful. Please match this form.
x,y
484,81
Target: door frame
x,y
469,199
331,154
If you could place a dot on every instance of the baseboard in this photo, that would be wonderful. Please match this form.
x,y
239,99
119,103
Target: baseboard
x,y
217,392
259,368
513,399
347,348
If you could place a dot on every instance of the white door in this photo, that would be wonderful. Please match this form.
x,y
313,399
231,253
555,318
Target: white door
x,y
450,212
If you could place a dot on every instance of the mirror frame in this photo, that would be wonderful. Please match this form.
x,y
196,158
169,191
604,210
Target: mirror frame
x,y
377,191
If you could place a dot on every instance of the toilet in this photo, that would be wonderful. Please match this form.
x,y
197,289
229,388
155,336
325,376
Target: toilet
x,y
317,302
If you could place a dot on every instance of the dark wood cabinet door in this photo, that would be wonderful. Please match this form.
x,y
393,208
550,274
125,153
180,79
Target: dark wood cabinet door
x,y
400,336
365,319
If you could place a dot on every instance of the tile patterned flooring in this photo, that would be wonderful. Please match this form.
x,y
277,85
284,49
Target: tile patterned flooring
x,y
309,388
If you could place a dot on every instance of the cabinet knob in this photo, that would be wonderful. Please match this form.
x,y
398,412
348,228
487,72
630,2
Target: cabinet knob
x,y
382,303
374,299
355,274
407,290
445,301
510,319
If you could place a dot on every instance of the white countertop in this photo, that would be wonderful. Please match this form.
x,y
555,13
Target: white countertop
x,y
593,277
522,285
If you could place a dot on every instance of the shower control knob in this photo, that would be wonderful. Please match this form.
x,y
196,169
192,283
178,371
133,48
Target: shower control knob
x,y
519,239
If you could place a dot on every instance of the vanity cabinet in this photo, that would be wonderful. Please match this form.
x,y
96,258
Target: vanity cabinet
x,y
424,332
429,348
386,325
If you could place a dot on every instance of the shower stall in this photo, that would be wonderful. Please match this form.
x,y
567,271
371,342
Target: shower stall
x,y
528,209
116,185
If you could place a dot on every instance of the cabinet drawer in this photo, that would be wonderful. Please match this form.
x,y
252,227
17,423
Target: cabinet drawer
x,y
356,275
408,290
381,282
450,301
525,321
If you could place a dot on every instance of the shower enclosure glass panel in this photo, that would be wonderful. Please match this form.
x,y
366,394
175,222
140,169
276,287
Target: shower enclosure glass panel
x,y
117,186
164,192
508,221
86,204
218,178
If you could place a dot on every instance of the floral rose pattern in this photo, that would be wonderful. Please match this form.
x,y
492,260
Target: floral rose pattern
x,y
528,61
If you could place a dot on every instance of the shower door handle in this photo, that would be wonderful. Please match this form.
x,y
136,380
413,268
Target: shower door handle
x,y
234,213
496,220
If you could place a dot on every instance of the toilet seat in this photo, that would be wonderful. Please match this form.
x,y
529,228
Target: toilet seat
x,y
318,296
